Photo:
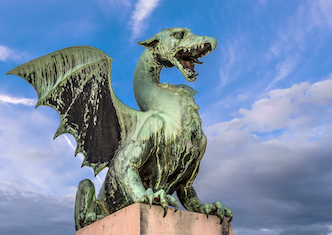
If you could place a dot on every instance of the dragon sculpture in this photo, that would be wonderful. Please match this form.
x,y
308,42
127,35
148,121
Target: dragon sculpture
x,y
150,153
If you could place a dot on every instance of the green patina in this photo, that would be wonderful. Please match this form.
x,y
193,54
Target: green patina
x,y
150,153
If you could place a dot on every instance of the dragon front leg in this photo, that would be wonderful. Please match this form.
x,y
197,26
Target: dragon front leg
x,y
188,196
131,157
191,202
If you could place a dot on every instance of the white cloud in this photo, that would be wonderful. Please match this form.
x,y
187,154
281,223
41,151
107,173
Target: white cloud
x,y
143,9
274,160
243,96
5,53
15,100
33,212
286,106
29,152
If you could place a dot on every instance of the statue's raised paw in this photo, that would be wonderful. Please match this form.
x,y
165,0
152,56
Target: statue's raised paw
x,y
218,210
160,198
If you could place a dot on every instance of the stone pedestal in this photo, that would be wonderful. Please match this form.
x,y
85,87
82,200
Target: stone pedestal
x,y
139,219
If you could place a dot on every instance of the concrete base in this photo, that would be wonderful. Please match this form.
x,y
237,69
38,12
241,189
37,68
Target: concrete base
x,y
139,219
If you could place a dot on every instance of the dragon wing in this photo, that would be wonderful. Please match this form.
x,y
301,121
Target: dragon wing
x,y
76,82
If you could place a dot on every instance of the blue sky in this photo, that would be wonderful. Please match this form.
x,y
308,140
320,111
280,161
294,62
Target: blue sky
x,y
264,93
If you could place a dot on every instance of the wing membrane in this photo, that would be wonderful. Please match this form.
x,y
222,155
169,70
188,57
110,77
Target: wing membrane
x,y
75,81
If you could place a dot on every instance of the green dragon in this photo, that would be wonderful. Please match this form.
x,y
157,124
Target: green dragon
x,y
150,153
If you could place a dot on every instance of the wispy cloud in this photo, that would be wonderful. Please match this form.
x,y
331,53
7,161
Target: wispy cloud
x,y
15,100
7,54
228,64
80,156
284,69
113,3
76,29
70,143
310,21
120,2
233,53
262,2
112,8
320,12
143,9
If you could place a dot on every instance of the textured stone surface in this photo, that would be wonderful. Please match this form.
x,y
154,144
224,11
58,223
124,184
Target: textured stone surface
x,y
139,219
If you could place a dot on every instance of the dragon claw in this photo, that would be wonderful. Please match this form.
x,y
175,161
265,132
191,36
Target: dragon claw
x,y
161,198
176,205
221,216
218,210
150,196
229,214
165,211
150,201
207,209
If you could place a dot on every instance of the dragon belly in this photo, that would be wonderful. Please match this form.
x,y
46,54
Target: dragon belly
x,y
167,171
177,160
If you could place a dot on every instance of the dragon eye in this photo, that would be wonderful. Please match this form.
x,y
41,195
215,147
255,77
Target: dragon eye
x,y
179,35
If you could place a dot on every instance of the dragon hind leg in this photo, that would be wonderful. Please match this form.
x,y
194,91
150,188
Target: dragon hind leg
x,y
87,209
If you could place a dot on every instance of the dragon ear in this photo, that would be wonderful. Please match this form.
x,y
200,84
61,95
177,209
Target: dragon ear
x,y
150,43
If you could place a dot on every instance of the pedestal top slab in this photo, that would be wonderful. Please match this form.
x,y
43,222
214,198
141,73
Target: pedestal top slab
x,y
139,219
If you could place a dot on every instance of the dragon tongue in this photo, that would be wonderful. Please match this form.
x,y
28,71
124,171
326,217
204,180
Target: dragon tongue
x,y
186,64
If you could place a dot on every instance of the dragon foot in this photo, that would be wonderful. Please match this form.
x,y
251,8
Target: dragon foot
x,y
160,198
87,208
218,210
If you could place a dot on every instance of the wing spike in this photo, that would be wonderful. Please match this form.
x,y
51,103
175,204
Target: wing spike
x,y
60,130
80,149
37,104
83,164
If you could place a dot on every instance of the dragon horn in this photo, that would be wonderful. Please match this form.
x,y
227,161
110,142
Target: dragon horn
x,y
150,43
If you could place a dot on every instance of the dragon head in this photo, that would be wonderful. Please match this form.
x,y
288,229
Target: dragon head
x,y
181,48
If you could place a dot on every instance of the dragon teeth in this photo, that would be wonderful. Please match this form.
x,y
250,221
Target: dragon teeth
x,y
189,71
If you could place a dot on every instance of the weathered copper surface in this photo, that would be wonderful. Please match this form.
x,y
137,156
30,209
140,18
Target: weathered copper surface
x,y
150,153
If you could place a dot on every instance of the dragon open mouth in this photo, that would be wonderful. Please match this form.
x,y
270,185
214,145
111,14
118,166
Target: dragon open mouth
x,y
187,58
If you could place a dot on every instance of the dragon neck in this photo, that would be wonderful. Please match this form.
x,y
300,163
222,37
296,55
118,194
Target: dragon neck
x,y
146,80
